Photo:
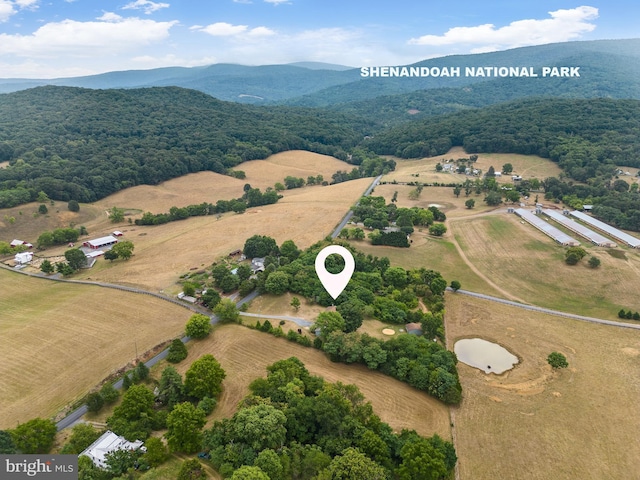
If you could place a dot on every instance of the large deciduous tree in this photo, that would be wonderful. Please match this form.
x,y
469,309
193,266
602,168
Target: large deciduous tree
x,y
34,436
204,377
133,418
75,258
184,425
198,326
124,249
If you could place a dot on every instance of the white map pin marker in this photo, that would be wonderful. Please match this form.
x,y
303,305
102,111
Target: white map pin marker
x,y
334,283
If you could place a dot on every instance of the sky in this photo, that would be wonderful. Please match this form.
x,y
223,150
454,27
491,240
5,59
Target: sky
x,y
65,38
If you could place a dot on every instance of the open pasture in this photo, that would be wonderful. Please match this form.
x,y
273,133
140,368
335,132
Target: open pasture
x,y
164,252
529,265
244,354
442,197
57,340
27,224
535,423
528,166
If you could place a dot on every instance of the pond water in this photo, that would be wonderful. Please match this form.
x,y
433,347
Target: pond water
x,y
487,356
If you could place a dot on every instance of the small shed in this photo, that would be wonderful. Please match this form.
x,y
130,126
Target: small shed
x,y
117,233
414,328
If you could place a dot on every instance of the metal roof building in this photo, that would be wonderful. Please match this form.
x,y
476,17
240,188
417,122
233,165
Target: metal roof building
x,y
546,228
629,240
101,242
580,229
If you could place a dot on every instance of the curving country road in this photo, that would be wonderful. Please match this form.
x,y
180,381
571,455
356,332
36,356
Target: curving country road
x,y
349,214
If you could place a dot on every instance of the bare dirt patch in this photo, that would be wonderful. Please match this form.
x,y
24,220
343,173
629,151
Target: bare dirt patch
x,y
58,340
245,354
542,413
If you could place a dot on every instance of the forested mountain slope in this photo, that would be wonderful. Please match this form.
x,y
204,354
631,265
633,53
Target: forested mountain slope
x,y
602,76
85,144
586,137
608,68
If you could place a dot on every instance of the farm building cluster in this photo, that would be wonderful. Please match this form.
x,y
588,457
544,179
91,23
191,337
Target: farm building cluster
x,y
563,219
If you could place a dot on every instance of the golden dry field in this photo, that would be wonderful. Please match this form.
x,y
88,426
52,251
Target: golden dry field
x,y
244,354
57,340
164,252
210,187
527,166
28,224
530,266
535,423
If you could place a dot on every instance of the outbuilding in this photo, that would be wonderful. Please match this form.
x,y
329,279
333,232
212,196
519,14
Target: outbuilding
x,y
101,242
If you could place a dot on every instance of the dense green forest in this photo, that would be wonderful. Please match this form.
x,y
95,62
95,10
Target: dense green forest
x,y
586,137
82,144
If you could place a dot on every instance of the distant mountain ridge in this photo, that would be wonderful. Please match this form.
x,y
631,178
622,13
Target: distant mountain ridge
x,y
315,84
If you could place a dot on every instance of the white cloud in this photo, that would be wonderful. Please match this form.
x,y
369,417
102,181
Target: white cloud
x,y
242,1
145,5
563,25
110,34
261,32
8,8
32,4
277,2
223,29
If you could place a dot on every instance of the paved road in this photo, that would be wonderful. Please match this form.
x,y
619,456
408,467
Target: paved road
x,y
349,214
557,313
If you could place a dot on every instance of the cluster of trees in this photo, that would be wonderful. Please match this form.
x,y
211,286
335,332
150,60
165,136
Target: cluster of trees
x,y
34,436
628,315
59,236
137,415
295,425
374,213
392,239
354,233
418,361
85,144
252,197
369,165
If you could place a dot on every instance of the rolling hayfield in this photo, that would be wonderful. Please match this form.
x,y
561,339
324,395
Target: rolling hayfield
x,y
164,252
535,423
210,187
57,341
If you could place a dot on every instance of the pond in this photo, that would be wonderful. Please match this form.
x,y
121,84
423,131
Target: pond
x,y
487,356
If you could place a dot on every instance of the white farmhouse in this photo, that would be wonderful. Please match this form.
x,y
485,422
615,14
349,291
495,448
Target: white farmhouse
x,y
107,443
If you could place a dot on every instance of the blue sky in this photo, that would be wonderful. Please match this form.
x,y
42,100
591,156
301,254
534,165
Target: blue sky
x,y
45,39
